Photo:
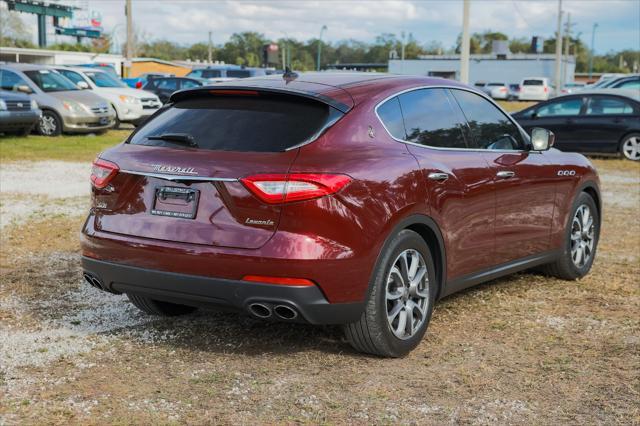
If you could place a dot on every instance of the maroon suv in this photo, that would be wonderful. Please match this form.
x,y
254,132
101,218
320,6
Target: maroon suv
x,y
330,198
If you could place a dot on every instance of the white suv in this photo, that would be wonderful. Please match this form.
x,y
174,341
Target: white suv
x,y
534,89
131,105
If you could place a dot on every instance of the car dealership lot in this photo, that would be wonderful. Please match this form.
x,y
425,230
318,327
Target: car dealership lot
x,y
522,349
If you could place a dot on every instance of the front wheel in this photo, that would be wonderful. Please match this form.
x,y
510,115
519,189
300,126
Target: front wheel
x,y
400,301
50,124
630,147
581,241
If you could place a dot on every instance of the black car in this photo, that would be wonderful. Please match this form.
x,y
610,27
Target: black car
x,y
165,86
605,121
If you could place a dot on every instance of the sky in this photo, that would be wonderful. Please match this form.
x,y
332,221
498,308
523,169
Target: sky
x,y
187,21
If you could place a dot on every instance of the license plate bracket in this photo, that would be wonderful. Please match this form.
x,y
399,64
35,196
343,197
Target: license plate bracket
x,y
172,201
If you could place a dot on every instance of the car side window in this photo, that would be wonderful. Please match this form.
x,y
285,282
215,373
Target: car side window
x,y
167,84
71,75
10,80
629,84
188,84
561,107
391,116
490,128
603,105
430,119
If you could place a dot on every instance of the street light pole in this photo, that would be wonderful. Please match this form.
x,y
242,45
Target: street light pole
x,y
322,30
558,76
465,45
210,50
129,52
402,53
593,41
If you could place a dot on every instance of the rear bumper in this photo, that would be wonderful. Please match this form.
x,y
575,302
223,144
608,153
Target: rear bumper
x,y
194,290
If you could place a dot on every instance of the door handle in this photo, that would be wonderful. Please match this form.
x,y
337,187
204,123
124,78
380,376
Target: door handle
x,y
438,176
505,174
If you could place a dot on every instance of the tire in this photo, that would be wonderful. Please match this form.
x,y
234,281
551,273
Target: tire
x,y
566,267
630,147
156,307
116,120
50,124
373,333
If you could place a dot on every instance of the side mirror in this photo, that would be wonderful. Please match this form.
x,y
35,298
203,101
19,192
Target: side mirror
x,y
542,139
82,85
24,89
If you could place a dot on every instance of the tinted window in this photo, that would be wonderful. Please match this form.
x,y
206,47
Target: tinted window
x,y
167,84
238,73
50,81
490,127
10,80
226,123
195,73
102,79
188,84
533,83
629,84
211,73
72,75
429,119
604,106
565,107
391,116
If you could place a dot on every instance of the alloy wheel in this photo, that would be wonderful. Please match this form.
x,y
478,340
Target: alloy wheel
x,y
582,236
407,294
631,148
48,125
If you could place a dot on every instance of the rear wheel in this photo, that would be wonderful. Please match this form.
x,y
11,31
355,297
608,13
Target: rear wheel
x,y
581,241
630,147
50,124
400,302
156,307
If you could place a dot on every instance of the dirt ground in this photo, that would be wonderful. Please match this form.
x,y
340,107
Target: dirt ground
x,y
525,349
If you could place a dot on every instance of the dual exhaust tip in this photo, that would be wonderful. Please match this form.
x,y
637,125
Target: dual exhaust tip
x,y
266,310
93,281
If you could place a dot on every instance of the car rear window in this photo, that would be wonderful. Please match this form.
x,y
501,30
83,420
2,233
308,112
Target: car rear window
x,y
238,73
211,73
532,83
264,123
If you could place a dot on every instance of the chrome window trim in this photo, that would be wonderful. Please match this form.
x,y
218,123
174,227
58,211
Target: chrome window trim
x,y
180,177
451,149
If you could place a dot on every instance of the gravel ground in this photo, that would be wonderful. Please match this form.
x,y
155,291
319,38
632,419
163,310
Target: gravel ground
x,y
524,349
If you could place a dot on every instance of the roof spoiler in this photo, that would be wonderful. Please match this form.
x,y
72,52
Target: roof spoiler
x,y
226,89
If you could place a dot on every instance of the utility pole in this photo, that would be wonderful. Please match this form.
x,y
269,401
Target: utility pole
x,y
402,53
465,45
322,30
566,49
592,52
210,56
129,51
558,77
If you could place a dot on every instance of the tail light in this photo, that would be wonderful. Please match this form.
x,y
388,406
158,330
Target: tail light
x,y
103,172
138,84
503,89
546,89
285,188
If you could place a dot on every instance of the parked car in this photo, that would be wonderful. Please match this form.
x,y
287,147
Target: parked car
x,y
572,88
629,82
498,90
295,199
534,89
164,87
138,82
218,73
514,91
603,80
18,113
605,121
131,105
109,68
65,108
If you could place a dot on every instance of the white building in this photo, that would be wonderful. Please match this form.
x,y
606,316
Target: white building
x,y
58,57
509,68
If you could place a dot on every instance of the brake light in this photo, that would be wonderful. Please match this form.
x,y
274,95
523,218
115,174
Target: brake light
x,y
283,188
278,280
503,89
103,172
138,84
546,89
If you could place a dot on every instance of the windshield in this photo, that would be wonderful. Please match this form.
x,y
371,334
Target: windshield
x,y
50,81
533,83
102,79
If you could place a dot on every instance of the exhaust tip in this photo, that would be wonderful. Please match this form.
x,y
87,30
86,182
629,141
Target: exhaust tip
x,y
285,312
260,310
93,281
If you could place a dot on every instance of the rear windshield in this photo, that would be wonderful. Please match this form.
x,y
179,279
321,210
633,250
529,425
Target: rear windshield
x,y
239,73
532,83
211,73
238,123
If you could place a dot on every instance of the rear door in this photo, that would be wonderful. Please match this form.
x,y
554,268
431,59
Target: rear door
x,y
168,190
561,116
523,180
458,181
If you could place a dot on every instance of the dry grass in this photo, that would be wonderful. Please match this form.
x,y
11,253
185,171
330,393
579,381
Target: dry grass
x,y
525,349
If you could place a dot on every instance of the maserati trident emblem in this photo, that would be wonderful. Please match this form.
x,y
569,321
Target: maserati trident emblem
x,y
162,168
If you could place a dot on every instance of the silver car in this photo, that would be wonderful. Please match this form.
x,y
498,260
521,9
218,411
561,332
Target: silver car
x,y
65,108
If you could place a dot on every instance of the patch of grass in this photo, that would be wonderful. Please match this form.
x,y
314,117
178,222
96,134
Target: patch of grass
x,y
65,148
514,106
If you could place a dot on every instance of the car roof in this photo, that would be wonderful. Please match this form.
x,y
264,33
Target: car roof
x,y
626,93
25,67
80,69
